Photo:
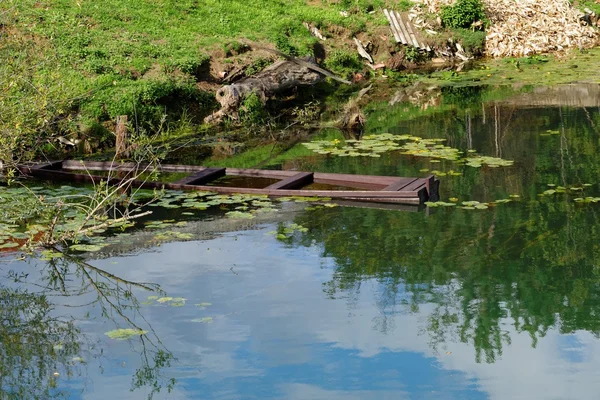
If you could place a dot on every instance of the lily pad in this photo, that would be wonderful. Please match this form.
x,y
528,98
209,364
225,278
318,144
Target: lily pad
x,y
86,247
124,334
204,320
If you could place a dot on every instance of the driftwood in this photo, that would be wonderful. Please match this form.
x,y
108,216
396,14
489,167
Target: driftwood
x,y
277,78
122,138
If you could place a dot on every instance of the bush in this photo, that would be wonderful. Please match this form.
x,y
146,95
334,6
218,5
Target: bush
x,y
463,14
343,62
253,110
472,41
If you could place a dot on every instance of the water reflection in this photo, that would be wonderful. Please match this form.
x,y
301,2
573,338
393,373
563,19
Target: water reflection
x,y
46,307
364,303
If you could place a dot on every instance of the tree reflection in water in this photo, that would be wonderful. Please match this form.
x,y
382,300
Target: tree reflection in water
x,y
39,347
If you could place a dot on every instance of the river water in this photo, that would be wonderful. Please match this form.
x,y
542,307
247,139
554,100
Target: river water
x,y
352,303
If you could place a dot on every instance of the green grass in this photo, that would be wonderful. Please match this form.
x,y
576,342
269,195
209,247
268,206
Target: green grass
x,y
69,65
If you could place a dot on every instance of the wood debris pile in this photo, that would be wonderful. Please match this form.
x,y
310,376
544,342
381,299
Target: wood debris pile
x,y
526,27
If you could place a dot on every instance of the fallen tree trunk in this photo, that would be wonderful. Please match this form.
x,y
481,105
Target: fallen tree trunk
x,y
277,78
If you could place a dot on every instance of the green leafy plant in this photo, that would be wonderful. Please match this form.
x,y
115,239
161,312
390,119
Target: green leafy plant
x,y
343,62
463,14
253,110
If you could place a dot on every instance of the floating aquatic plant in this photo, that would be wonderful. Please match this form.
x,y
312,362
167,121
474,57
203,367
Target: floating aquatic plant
x,y
124,334
587,200
374,145
287,230
204,320
86,247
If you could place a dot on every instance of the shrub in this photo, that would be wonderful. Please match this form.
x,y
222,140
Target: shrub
x,y
343,62
253,110
472,41
463,14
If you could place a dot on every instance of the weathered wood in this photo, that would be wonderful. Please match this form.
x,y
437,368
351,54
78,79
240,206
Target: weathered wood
x,y
362,51
52,165
400,184
122,138
409,30
429,182
386,189
124,166
394,31
403,30
357,181
277,78
293,182
260,173
202,177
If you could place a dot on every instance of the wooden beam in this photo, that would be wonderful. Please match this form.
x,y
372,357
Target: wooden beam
x,y
202,177
404,32
355,181
124,166
394,32
293,182
261,173
400,184
122,138
411,34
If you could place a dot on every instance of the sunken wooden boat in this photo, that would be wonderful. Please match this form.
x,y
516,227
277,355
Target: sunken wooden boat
x,y
273,183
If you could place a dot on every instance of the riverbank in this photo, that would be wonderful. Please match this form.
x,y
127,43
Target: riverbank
x,y
72,67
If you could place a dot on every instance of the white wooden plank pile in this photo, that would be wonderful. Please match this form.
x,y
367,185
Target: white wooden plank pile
x,y
403,30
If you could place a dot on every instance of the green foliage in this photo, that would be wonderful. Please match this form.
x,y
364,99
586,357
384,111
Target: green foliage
x,y
472,41
65,63
253,110
463,13
283,44
233,48
258,65
343,62
414,55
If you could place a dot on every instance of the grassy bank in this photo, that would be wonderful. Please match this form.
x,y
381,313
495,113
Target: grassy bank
x,y
71,66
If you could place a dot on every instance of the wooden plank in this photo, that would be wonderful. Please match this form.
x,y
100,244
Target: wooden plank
x,y
119,166
261,173
202,177
293,182
429,183
52,165
122,138
400,184
386,189
401,34
396,26
394,32
411,34
417,184
355,181
403,29
61,175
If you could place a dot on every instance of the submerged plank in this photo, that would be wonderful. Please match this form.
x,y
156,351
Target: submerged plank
x,y
386,189
293,182
202,177
126,166
400,184
357,181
